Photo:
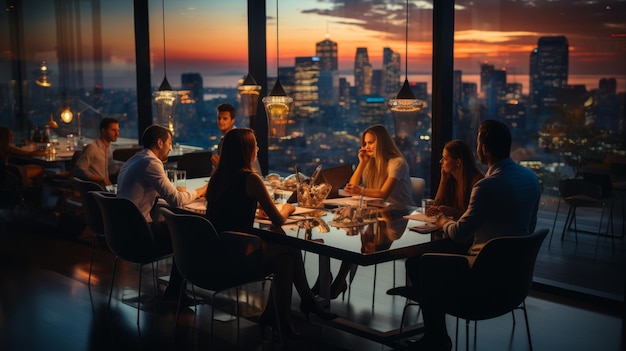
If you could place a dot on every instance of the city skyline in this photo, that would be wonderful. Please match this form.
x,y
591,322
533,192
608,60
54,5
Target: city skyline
x,y
502,33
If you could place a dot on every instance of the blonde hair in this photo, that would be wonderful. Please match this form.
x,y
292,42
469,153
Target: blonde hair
x,y
375,173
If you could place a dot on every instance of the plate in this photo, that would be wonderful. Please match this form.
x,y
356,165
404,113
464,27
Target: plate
x,y
352,224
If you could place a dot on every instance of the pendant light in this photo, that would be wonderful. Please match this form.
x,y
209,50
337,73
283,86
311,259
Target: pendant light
x,y
277,103
43,78
249,95
165,97
405,107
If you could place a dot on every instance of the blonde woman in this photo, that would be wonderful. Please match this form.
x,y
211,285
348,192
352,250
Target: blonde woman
x,y
383,173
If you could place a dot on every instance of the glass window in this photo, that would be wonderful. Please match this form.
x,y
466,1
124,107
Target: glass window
x,y
68,54
205,58
341,62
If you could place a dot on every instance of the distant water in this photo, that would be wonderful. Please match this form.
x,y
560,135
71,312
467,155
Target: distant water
x,y
590,81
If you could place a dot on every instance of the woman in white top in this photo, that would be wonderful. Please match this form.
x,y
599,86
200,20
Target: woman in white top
x,y
384,173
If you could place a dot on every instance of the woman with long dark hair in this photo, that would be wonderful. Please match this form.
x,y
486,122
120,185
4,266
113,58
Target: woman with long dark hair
x,y
459,173
234,191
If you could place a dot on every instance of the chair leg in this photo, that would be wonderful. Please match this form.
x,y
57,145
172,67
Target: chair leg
x,y
530,343
93,251
595,251
139,294
237,314
456,335
374,285
112,281
475,332
467,323
406,306
568,222
394,273
212,320
556,214
180,297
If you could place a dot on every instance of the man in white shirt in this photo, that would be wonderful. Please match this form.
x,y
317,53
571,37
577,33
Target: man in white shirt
x,y
96,161
143,178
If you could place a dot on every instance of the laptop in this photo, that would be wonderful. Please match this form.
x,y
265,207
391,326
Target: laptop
x,y
337,177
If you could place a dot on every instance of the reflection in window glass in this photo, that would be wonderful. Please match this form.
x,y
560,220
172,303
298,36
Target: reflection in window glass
x,y
68,55
553,72
205,57
341,62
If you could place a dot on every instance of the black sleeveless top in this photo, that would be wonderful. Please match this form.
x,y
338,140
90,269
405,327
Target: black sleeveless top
x,y
233,209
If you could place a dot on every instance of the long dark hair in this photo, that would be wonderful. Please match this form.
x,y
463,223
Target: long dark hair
x,y
459,150
238,149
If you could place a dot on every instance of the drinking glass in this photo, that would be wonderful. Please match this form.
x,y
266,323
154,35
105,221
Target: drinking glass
x,y
426,204
178,178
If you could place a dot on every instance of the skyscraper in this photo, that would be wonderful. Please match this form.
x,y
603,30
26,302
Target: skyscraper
x,y
306,86
193,83
326,50
362,72
549,65
391,73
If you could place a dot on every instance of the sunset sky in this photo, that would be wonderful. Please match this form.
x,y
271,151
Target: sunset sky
x,y
209,36
501,32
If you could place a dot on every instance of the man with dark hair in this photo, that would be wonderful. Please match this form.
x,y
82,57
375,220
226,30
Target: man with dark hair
x,y
143,178
96,161
504,203
226,114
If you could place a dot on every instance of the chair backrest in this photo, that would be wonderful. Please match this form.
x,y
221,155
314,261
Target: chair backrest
x,y
91,210
209,260
10,185
418,185
127,233
197,164
337,177
500,277
123,154
577,186
601,179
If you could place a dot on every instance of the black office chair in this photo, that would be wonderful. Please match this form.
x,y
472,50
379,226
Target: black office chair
x,y
213,261
488,285
129,237
123,154
91,214
589,190
11,189
197,164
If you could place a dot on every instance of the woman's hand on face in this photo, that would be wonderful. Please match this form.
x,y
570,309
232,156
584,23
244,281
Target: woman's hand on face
x,y
363,157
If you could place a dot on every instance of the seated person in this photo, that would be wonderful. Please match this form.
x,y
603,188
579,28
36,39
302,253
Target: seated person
x,y
142,178
31,174
96,161
385,174
504,203
459,173
235,191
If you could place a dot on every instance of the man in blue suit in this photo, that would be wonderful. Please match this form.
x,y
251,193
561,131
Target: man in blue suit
x,y
504,203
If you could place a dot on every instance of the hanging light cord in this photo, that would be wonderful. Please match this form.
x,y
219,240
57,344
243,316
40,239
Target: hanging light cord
x,y
277,63
164,57
406,42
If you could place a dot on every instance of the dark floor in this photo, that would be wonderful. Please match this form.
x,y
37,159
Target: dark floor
x,y
576,304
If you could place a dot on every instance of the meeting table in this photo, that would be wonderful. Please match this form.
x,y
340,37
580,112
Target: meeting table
x,y
385,234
